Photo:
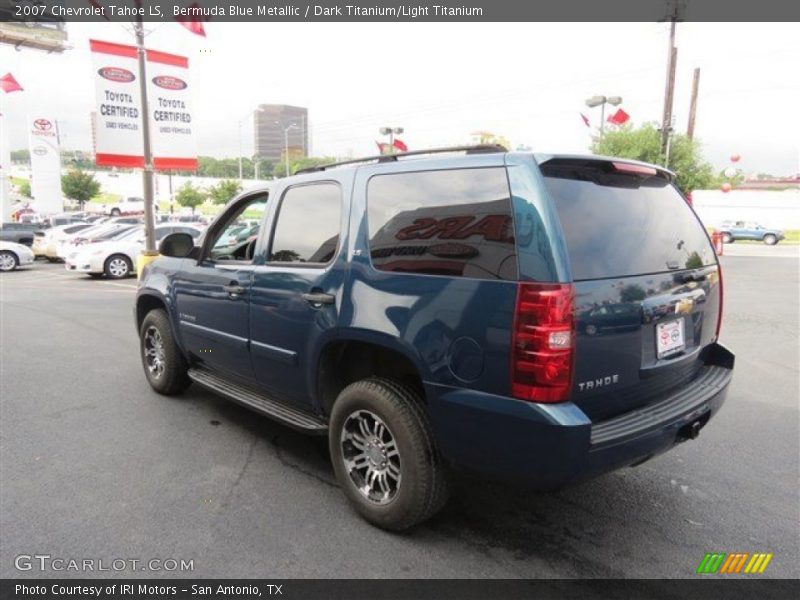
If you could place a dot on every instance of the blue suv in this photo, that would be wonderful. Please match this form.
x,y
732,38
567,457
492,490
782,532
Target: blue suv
x,y
537,319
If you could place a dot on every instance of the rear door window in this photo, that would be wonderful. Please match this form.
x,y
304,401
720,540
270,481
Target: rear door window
x,y
456,223
618,224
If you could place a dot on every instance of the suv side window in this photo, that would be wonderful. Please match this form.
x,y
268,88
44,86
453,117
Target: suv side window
x,y
233,241
456,223
307,226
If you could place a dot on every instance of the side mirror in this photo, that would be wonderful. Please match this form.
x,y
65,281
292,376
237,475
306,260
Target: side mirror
x,y
176,245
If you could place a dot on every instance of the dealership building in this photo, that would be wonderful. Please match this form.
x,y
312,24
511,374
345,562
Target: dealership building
x,y
274,125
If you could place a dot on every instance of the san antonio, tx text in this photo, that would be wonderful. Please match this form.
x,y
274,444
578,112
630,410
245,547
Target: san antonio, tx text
x,y
125,589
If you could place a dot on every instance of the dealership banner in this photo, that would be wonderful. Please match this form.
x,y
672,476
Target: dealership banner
x,y
118,122
45,164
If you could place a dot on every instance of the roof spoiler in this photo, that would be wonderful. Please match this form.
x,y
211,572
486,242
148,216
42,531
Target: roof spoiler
x,y
613,162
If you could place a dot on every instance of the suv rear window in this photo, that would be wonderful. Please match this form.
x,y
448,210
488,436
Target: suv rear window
x,y
618,224
454,222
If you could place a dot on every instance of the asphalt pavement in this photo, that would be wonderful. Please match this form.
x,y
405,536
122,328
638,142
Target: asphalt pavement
x,y
94,465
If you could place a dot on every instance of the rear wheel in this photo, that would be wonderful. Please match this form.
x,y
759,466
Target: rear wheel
x,y
727,238
118,266
115,212
384,454
8,261
164,365
770,240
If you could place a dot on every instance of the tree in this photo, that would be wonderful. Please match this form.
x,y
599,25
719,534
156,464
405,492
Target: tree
x,y
224,191
301,162
80,186
692,171
190,196
21,156
25,189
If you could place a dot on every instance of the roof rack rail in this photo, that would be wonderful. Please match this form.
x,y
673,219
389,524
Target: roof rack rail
x,y
473,149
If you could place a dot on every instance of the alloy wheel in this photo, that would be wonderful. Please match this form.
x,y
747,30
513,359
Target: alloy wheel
x,y
154,352
118,267
371,456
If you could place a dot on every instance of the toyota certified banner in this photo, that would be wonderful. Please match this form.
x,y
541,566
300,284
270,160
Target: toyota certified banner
x,y
45,164
118,123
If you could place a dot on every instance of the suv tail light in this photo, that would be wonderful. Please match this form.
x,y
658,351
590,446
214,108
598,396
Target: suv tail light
x,y
543,342
721,298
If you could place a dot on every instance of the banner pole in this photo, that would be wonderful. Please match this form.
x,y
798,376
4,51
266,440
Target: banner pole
x,y
147,173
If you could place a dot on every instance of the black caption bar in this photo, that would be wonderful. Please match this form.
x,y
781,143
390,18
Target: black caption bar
x,y
380,589
387,10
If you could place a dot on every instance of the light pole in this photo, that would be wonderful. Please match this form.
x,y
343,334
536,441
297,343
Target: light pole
x,y
147,172
601,101
286,144
241,121
391,131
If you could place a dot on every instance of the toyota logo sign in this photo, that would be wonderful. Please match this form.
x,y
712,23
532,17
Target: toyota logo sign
x,y
43,124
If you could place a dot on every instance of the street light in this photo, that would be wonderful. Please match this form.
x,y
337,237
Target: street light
x,y
391,131
601,101
241,121
286,143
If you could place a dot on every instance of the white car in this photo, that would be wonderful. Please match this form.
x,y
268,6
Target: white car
x,y
115,257
108,230
132,205
13,255
47,244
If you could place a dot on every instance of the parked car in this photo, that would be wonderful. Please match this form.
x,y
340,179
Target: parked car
x,y
13,255
65,219
115,257
427,313
741,230
46,244
94,234
132,205
20,233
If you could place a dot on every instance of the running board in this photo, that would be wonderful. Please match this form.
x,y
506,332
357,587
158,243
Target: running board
x,y
288,415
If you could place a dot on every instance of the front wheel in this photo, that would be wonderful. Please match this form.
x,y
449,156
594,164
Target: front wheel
x,y
727,238
770,240
164,365
118,266
384,454
8,261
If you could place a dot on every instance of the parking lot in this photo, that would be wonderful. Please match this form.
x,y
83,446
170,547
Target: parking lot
x,y
96,465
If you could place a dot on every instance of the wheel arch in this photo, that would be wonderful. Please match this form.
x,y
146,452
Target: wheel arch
x,y
344,360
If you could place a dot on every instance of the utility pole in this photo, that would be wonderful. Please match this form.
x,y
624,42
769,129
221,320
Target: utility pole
x,y
669,92
693,104
147,173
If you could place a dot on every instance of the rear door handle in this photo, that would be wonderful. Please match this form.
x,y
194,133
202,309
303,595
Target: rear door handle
x,y
234,291
319,298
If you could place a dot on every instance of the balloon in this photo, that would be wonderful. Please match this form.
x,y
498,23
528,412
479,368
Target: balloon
x,y
726,187
730,172
735,158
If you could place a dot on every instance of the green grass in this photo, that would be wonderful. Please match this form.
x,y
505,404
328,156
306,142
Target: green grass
x,y
106,198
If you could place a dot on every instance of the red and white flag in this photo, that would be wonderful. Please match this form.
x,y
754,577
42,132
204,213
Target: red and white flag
x,y
9,84
193,24
400,145
586,120
619,118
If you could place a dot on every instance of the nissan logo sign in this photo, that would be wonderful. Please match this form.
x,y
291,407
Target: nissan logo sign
x,y
116,74
169,83
42,124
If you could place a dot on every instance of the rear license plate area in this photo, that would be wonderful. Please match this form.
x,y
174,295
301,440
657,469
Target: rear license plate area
x,y
670,338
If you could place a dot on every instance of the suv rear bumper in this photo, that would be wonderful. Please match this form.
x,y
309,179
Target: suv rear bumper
x,y
547,446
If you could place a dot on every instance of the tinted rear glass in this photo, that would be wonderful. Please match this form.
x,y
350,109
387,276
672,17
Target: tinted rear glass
x,y
618,225
456,223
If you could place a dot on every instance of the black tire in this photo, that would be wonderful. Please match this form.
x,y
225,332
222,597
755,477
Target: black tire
x,y
770,240
727,238
115,212
118,266
8,261
173,378
423,486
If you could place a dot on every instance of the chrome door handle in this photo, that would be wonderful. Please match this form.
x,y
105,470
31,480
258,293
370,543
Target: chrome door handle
x,y
234,291
319,298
